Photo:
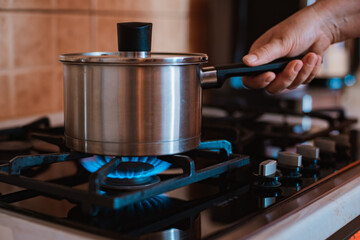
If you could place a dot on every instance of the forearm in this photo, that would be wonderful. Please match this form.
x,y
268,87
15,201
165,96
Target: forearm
x,y
340,18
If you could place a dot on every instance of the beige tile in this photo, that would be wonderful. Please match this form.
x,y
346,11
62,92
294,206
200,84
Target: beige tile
x,y
33,39
4,41
34,93
142,5
72,4
170,35
105,33
31,4
4,3
59,90
5,98
72,33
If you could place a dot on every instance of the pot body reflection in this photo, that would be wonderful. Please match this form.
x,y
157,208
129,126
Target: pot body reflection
x,y
127,110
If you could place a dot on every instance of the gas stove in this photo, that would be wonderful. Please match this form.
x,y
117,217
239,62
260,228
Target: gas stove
x,y
270,165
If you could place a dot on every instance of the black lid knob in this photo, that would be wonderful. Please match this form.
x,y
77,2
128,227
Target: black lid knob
x,y
134,36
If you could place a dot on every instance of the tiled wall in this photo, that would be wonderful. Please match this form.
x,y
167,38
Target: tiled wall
x,y
34,32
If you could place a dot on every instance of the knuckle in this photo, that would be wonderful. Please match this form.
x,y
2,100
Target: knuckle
x,y
311,76
265,51
293,86
308,69
287,80
284,44
275,89
289,76
316,71
303,75
271,91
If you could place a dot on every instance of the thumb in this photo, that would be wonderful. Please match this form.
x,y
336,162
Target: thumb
x,y
264,54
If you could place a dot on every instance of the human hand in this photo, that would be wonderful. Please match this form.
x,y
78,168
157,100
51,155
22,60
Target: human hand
x,y
304,31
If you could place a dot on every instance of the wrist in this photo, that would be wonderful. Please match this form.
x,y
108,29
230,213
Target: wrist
x,y
338,18
329,24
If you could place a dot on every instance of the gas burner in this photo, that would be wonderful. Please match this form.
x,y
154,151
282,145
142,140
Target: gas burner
x,y
135,170
132,172
129,183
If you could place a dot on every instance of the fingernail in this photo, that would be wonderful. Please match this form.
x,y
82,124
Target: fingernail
x,y
297,67
311,61
250,58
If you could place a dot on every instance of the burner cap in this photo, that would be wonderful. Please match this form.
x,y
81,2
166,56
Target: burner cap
x,y
12,146
129,184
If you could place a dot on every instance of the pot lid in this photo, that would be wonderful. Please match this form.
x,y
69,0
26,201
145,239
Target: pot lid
x,y
134,44
135,58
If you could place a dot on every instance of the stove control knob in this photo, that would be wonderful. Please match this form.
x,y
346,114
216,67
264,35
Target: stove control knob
x,y
341,139
308,151
327,150
289,159
267,168
343,147
267,178
310,157
290,164
325,145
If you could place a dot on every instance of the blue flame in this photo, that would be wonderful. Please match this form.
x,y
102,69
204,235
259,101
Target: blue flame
x,y
92,164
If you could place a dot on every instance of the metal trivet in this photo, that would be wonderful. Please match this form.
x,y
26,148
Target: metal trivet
x,y
93,198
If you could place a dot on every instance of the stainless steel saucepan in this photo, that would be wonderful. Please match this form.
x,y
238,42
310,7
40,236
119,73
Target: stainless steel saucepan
x,y
138,103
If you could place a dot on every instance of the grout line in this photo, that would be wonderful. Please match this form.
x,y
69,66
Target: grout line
x,y
110,13
17,71
93,26
11,68
54,51
92,4
44,11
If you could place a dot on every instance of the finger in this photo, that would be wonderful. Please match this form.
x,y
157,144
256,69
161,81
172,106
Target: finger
x,y
264,54
259,81
286,77
309,63
315,71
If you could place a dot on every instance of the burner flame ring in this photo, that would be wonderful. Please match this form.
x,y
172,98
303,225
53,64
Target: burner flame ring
x,y
129,184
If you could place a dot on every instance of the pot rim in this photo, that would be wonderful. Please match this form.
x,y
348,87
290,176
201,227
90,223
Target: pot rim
x,y
153,58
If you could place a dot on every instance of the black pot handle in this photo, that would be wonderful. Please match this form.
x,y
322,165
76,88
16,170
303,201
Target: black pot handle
x,y
214,77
